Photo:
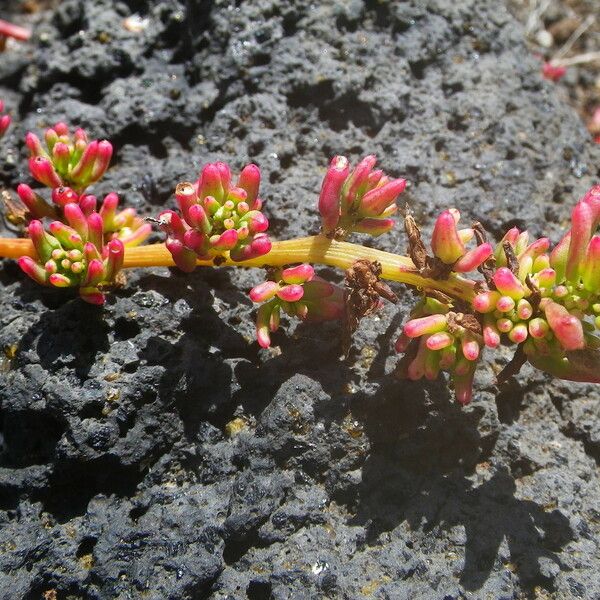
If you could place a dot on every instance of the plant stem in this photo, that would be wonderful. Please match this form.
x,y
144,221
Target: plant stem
x,y
315,249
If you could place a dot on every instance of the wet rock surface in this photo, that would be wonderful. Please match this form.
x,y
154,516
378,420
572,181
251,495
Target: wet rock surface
x,y
151,450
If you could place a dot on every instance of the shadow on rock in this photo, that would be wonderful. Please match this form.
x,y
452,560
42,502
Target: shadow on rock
x,y
73,335
431,471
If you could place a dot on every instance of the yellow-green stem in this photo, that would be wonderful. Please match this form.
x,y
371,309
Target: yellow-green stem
x,y
315,249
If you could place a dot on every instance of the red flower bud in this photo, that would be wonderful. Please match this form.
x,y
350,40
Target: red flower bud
x,y
249,180
329,198
566,327
445,241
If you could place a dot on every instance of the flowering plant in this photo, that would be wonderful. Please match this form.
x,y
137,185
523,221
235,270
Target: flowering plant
x,y
474,294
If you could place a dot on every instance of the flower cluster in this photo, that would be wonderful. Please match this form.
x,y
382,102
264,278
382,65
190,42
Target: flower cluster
x,y
549,301
84,245
298,292
125,224
360,201
217,217
448,244
74,255
4,120
546,302
447,341
67,161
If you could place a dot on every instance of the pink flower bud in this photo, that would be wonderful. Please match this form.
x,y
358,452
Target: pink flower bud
x,y
90,251
43,242
135,237
329,198
473,258
67,236
32,142
432,365
59,280
425,325
300,274
485,302
437,341
416,369
377,200
210,183
374,227
376,178
504,325
357,182
91,296
505,304
508,284
567,328
275,319
470,347
445,241
300,310
36,205
14,31
524,309
42,170
582,220
186,196
60,156
183,257
249,180
290,293
536,248
194,240
256,221
546,278
402,343
264,291
259,246
102,161
81,172
197,217
591,269
447,357
95,230
511,237
64,195
33,270
114,260
538,327
518,333
263,319
318,288
559,257
76,219
226,241
592,196
5,121
552,72
491,335
463,387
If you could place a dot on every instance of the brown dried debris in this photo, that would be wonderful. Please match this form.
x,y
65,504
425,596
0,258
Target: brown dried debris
x,y
364,291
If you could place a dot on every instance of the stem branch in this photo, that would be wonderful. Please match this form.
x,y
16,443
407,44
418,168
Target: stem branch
x,y
315,249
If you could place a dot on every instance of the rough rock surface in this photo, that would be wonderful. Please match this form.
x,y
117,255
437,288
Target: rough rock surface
x,y
150,450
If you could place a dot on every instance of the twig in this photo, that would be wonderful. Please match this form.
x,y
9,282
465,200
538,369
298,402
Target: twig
x,y
573,38
579,59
